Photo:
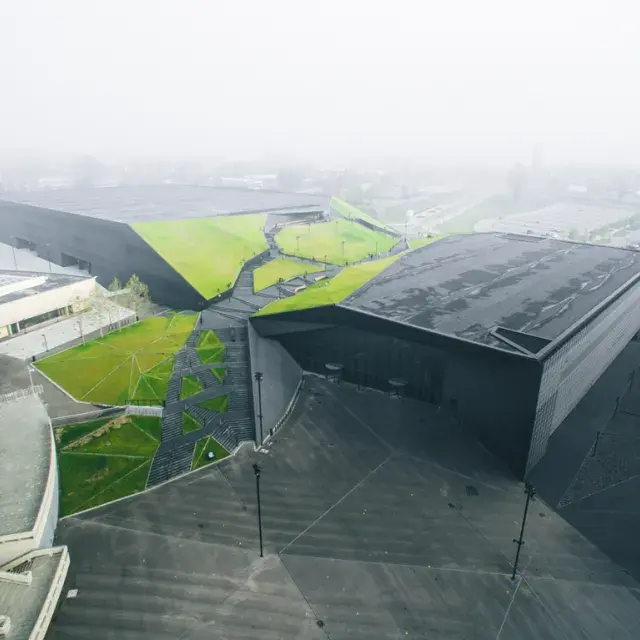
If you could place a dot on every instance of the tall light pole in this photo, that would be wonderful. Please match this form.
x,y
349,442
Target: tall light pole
x,y
343,248
46,346
13,249
298,244
48,246
258,376
256,471
325,263
530,492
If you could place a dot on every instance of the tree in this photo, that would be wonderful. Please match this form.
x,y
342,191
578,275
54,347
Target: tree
x,y
114,285
137,294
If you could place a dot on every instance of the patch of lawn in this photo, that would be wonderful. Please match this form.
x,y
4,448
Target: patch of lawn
x,y
219,373
189,424
331,291
201,450
350,212
209,348
190,386
211,356
219,403
134,482
414,243
270,273
69,434
340,240
108,370
84,476
105,459
207,252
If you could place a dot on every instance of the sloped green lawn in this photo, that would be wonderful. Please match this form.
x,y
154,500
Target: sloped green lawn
x,y
131,365
330,291
350,212
209,348
189,423
201,450
105,459
270,273
219,373
219,403
338,242
207,252
190,386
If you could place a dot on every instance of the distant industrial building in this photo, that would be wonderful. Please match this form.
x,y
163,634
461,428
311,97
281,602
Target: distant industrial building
x,y
28,299
508,332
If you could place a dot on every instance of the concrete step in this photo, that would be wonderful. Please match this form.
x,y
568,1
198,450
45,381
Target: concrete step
x,y
171,426
173,389
169,464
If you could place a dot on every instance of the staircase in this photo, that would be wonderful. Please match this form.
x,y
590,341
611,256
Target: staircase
x,y
225,435
240,400
171,426
206,378
173,389
202,415
170,463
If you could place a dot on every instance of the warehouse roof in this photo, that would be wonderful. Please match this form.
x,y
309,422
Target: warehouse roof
x,y
468,285
15,285
166,201
25,455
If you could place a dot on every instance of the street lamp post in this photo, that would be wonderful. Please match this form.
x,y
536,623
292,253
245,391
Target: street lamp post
x,y
48,247
258,376
46,346
256,471
13,249
298,245
530,492
325,263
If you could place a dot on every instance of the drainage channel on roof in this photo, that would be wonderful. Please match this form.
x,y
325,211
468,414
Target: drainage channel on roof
x,y
524,342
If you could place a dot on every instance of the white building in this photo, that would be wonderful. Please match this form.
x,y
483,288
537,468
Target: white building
x,y
32,573
29,299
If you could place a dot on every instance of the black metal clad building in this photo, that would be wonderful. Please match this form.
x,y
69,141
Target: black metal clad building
x,y
90,228
508,332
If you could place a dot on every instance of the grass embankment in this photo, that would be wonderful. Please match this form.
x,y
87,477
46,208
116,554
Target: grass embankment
x,y
105,459
190,386
330,291
338,242
421,241
350,212
209,348
189,423
219,403
201,450
207,252
129,366
271,272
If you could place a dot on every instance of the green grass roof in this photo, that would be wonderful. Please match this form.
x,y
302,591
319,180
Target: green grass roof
x,y
338,242
285,268
207,252
348,211
330,291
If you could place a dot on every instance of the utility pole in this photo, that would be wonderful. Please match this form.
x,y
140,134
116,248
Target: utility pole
x,y
256,471
46,346
258,376
298,245
530,493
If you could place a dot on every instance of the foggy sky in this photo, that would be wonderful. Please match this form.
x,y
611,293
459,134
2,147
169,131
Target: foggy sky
x,y
457,81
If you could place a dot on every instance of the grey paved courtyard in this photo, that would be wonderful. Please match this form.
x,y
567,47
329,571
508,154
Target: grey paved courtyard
x,y
383,520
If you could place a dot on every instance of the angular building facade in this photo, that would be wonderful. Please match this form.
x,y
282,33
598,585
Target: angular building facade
x,y
95,229
506,332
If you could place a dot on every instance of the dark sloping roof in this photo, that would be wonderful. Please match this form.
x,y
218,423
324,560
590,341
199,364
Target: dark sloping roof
x,y
165,202
466,285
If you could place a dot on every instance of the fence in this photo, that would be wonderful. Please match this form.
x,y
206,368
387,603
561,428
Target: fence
x,y
85,417
21,393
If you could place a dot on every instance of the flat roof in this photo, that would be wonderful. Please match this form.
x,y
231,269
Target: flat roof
x,y
15,285
466,285
25,454
165,201
23,603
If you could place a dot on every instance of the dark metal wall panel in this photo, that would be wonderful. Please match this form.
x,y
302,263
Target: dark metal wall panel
x,y
113,249
573,368
493,393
